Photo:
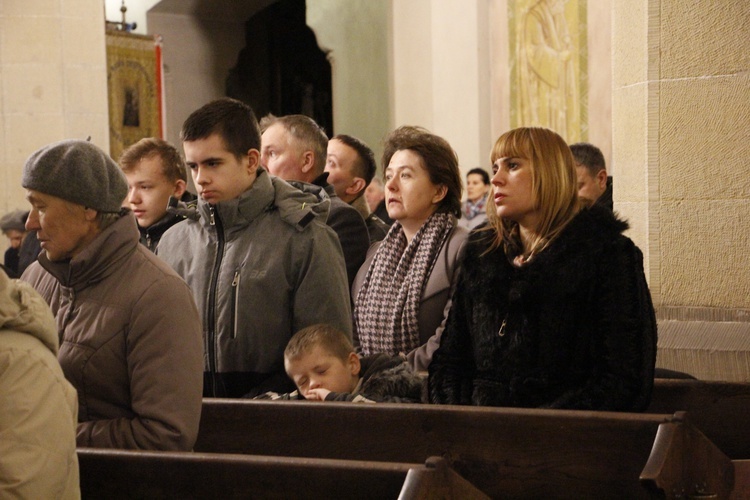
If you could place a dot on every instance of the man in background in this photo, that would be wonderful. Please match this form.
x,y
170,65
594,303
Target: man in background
x,y
350,164
375,196
593,182
13,226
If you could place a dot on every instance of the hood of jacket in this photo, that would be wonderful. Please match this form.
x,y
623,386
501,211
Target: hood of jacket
x,y
296,200
23,310
321,194
297,207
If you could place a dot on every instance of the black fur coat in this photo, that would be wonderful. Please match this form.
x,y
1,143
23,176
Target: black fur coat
x,y
580,328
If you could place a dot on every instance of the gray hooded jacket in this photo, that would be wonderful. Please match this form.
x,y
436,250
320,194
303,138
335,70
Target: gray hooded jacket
x,y
261,266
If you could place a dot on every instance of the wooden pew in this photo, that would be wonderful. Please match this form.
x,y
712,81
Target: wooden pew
x,y
505,452
741,480
121,474
684,464
721,410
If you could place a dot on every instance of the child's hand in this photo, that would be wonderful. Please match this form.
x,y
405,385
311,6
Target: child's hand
x,y
318,394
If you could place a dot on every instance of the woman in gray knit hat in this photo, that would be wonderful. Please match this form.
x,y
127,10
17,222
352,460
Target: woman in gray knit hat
x,y
130,333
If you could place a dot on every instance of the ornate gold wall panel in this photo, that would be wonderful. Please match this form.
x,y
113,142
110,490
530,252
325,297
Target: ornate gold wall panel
x,y
548,59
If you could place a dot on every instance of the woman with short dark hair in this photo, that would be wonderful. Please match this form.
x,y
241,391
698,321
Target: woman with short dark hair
x,y
403,289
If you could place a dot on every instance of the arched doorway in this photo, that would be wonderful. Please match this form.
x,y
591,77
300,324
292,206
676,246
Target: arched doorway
x,y
281,69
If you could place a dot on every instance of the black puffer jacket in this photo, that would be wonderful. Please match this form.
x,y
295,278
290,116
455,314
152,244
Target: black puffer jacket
x,y
580,330
151,235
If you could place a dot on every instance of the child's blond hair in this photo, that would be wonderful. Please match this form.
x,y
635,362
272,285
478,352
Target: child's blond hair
x,y
329,338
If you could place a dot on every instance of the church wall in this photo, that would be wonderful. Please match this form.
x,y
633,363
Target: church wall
x,y
198,54
442,77
355,34
53,83
681,103
597,77
704,146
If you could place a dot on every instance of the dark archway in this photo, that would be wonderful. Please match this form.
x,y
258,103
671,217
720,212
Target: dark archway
x,y
282,70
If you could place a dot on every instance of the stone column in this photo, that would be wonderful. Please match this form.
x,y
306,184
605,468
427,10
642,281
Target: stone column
x,y
441,68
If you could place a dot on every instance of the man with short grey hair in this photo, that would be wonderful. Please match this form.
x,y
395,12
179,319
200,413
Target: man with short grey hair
x,y
130,334
294,148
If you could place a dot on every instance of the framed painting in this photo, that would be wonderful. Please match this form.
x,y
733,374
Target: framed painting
x,y
134,78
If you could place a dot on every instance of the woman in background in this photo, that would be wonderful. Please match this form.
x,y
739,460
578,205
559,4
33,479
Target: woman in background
x,y
403,289
473,211
551,309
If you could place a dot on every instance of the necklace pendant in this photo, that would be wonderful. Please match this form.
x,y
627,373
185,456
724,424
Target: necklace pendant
x,y
501,332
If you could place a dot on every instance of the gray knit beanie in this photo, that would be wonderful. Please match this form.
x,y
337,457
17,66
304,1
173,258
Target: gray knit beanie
x,y
14,220
79,172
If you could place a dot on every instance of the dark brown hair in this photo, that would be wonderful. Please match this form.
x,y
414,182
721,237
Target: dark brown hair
x,y
365,166
233,120
438,157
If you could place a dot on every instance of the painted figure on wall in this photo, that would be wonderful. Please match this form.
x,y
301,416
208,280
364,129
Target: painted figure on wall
x,y
130,114
547,75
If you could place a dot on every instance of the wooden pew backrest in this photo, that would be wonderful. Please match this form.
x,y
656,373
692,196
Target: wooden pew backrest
x,y
504,452
119,474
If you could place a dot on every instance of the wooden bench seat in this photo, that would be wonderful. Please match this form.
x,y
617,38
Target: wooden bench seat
x,y
721,410
120,474
517,453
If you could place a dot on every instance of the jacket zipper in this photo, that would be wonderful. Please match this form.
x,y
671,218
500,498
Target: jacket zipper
x,y
215,221
69,314
235,301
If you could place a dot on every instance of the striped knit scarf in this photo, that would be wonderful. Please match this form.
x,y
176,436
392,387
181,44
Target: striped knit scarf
x,y
386,308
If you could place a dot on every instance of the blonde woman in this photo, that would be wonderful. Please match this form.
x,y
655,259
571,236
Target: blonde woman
x,y
551,309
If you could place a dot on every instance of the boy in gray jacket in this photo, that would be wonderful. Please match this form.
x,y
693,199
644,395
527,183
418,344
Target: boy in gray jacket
x,y
258,255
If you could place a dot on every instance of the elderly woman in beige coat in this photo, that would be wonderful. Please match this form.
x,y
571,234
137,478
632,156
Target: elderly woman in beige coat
x,y
39,408
402,291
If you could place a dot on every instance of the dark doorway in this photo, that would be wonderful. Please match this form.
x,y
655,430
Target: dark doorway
x,y
282,70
